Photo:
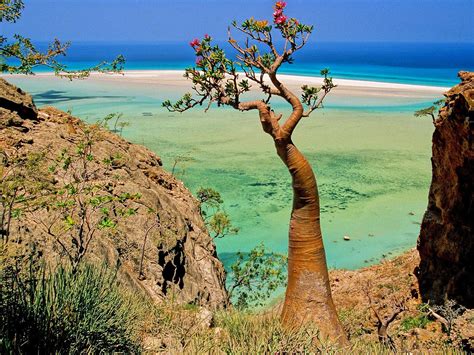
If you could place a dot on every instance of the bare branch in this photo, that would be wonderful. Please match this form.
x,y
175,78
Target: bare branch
x,y
318,104
439,317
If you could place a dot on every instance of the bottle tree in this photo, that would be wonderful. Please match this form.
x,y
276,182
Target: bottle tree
x,y
224,81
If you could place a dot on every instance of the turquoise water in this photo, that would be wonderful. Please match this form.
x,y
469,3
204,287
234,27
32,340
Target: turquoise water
x,y
411,63
416,76
370,155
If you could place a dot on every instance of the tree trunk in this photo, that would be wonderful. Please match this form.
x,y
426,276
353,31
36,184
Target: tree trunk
x,y
308,294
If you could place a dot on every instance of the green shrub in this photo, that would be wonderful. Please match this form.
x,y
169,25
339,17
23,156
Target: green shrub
x,y
253,277
65,312
419,321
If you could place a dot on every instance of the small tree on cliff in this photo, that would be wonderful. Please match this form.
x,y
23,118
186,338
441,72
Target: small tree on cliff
x,y
431,110
216,80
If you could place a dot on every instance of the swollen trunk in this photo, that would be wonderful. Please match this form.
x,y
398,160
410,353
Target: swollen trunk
x,y
308,294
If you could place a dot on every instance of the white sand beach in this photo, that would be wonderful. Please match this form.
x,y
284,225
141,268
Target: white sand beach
x,y
174,80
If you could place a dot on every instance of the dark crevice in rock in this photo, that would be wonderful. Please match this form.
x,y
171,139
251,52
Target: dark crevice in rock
x,y
173,263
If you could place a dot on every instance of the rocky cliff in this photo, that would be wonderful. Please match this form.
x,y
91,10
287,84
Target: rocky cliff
x,y
446,241
179,257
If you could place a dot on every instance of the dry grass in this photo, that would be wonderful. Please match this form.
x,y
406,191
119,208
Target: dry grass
x,y
176,329
182,331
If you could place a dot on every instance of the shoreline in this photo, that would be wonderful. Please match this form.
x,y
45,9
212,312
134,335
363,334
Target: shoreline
x,y
175,79
177,74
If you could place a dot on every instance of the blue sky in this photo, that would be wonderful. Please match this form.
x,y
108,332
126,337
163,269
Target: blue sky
x,y
179,20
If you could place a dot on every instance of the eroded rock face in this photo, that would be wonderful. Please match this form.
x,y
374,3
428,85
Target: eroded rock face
x,y
179,255
446,241
15,100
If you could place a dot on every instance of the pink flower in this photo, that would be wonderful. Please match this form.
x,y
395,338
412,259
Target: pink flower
x,y
206,36
198,61
194,43
280,5
277,13
278,16
280,19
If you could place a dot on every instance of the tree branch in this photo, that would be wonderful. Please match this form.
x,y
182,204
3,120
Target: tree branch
x,y
268,120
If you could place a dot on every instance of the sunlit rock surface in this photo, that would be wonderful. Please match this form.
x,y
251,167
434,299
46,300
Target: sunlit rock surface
x,y
446,241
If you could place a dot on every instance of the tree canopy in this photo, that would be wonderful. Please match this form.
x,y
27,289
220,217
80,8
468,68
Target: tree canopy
x,y
19,55
431,110
216,79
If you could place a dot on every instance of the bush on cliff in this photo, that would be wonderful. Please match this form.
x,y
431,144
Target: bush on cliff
x,y
66,312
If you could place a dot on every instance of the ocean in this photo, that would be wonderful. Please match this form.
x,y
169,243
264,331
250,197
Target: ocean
x,y
434,64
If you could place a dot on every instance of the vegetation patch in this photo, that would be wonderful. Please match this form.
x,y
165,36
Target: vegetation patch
x,y
64,311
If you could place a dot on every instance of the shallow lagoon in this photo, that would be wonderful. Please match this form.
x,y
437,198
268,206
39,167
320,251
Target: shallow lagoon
x,y
370,155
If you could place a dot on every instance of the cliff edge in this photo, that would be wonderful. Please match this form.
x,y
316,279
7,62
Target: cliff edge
x,y
179,256
446,241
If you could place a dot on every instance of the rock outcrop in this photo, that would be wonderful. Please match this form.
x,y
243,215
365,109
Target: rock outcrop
x,y
179,256
446,241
